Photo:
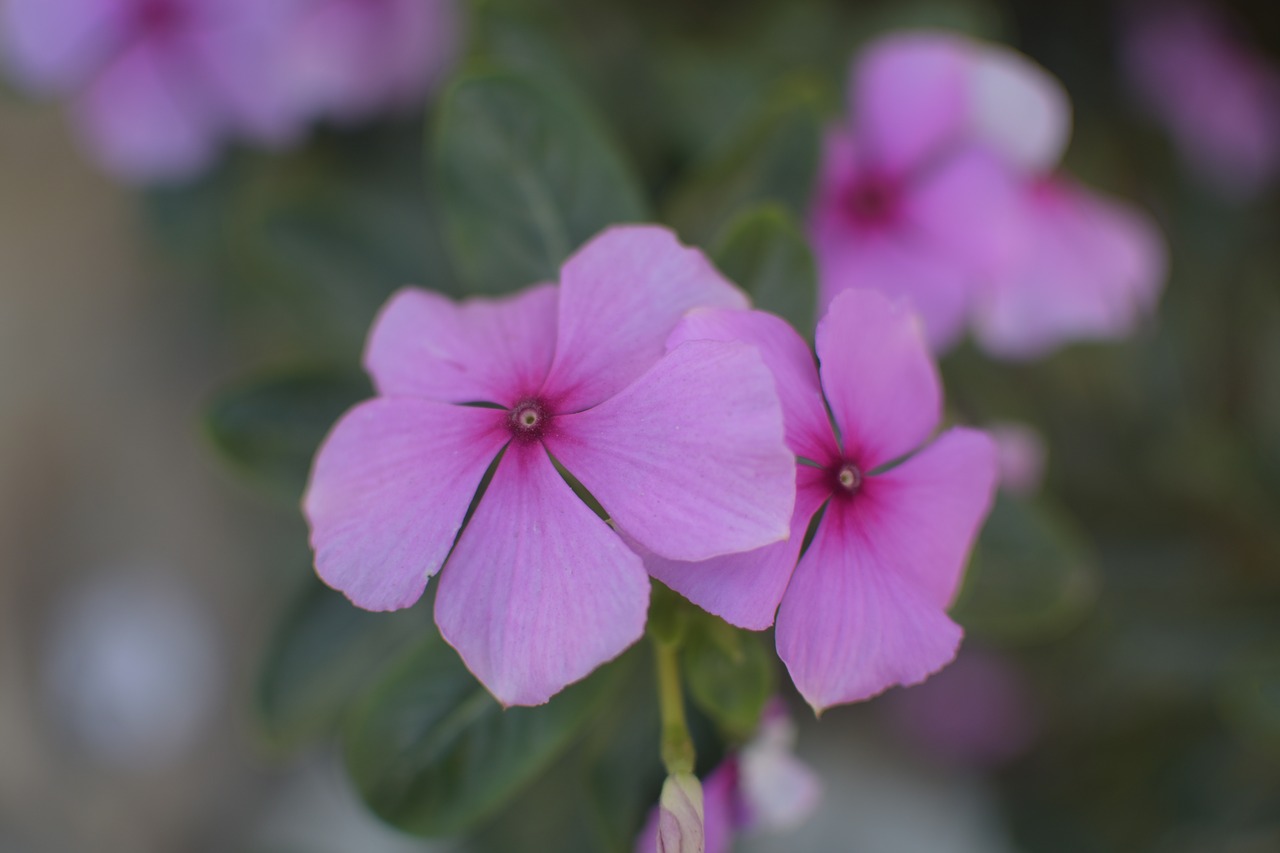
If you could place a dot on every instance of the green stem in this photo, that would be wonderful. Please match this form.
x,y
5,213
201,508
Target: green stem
x,y
677,743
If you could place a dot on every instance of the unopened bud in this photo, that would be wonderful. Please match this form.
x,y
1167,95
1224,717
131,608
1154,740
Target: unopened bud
x,y
680,823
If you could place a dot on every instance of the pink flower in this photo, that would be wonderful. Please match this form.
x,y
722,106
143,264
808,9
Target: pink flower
x,y
865,606
1091,267
761,787
348,59
1219,98
684,449
157,86
1020,455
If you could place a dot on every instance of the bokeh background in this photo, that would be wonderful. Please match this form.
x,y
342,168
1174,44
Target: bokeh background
x,y
168,358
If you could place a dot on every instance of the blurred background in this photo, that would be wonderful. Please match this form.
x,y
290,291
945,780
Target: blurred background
x,y
170,355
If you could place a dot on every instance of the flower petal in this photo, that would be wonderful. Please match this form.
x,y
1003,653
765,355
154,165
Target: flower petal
x,y
143,123
880,381
480,350
56,45
690,459
789,359
620,296
539,591
910,97
388,492
1093,268
924,514
1018,108
851,625
745,589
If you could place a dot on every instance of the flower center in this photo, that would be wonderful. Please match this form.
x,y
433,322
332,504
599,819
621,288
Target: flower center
x,y
849,478
528,420
158,16
871,201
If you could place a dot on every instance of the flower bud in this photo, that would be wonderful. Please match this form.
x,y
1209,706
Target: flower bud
x,y
680,827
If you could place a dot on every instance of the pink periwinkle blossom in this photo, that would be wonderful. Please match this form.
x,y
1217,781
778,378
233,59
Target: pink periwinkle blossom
x,y
1218,96
683,447
156,86
864,608
943,188
348,59
1021,455
761,787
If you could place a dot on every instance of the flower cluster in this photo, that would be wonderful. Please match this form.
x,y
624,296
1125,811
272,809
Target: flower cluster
x,y
157,87
942,187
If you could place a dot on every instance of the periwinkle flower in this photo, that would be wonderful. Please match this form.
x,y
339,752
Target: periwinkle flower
x,y
156,86
864,608
684,449
762,786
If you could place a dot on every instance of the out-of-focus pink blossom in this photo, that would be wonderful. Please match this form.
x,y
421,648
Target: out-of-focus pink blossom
x,y
1219,98
864,608
977,712
156,86
761,787
348,59
684,449
1020,454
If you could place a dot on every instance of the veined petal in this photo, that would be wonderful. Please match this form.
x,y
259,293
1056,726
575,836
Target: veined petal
x,y
480,350
57,45
850,625
690,460
143,123
879,378
539,591
388,492
788,357
1093,268
620,296
745,589
910,97
923,515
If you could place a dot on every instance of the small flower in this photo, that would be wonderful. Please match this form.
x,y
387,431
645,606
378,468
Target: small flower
x,y
683,448
1020,455
1218,97
157,86
348,59
761,787
864,608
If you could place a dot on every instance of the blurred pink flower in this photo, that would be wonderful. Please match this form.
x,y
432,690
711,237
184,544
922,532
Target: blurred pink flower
x,y
1020,455
978,712
683,448
348,59
1219,98
763,786
865,606
156,86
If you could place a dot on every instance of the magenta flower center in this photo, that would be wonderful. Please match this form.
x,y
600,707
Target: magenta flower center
x,y
528,420
871,201
848,478
158,16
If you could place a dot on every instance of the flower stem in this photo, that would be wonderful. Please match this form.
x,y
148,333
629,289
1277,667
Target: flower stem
x,y
677,743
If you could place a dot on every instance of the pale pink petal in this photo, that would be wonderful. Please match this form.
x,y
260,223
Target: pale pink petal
x,y
1021,456
1017,108
388,492
690,460
54,46
143,121
539,591
967,211
789,358
620,296
910,97
879,378
427,38
719,805
745,589
778,790
1093,268
922,517
851,626
480,350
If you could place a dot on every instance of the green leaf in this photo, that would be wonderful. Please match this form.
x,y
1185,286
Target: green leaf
x,y
322,657
433,753
729,674
1031,576
268,428
774,160
765,253
524,177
